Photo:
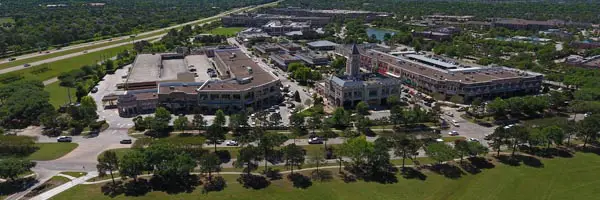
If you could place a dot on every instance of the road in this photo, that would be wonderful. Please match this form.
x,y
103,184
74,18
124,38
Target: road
x,y
126,40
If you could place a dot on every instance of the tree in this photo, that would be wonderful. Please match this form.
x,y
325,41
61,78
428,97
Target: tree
x,y
159,123
133,164
457,99
293,156
339,62
81,91
109,65
498,138
67,81
440,152
357,149
210,163
553,134
181,123
362,124
199,122
220,119
498,106
108,161
248,155
462,148
275,120
215,134
362,108
177,166
238,124
297,125
87,109
397,116
316,156
393,101
267,142
11,168
518,135
314,122
588,128
340,118
404,146
326,132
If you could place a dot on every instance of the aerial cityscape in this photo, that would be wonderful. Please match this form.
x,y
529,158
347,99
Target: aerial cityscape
x,y
303,99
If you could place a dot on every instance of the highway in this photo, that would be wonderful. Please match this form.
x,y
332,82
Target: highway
x,y
125,40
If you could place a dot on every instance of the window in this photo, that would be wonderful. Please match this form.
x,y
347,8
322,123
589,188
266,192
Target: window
x,y
236,97
214,96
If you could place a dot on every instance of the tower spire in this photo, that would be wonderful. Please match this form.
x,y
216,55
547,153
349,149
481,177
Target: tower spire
x,y
353,63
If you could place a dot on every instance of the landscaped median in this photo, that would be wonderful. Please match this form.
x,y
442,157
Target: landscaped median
x,y
560,178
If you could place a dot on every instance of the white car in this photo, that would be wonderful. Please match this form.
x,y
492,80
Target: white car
x,y
473,139
231,143
439,140
64,139
453,133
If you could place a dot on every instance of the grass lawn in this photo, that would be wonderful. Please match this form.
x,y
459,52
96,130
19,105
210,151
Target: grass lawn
x,y
7,20
51,151
559,178
58,94
57,67
55,181
75,174
226,30
453,138
120,152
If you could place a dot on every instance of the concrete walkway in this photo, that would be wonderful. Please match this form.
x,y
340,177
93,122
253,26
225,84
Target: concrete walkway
x,y
54,191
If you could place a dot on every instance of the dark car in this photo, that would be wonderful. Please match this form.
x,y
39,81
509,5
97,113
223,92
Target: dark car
x,y
315,140
125,141
12,59
95,89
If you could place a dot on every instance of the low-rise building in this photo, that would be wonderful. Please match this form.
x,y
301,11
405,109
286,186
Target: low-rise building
x,y
338,14
267,48
290,47
523,24
252,35
592,62
278,27
322,45
284,59
586,44
313,58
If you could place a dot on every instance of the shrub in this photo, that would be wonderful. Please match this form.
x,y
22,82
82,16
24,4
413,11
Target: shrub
x,y
217,184
299,180
273,174
253,181
223,155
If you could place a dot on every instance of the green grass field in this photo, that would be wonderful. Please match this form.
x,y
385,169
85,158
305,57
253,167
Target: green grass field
x,y
120,152
51,151
56,68
75,174
226,30
559,178
58,94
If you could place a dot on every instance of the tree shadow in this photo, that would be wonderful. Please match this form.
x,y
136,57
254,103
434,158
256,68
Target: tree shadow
x,y
112,190
223,155
518,159
19,185
300,180
448,171
588,149
174,185
474,165
253,181
137,188
412,173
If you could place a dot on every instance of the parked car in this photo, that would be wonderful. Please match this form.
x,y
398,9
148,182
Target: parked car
x,y
315,140
125,141
450,114
27,65
231,143
271,109
453,133
461,109
95,89
439,140
12,59
473,139
64,139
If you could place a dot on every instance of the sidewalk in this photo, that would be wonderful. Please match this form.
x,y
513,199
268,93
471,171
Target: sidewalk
x,y
53,192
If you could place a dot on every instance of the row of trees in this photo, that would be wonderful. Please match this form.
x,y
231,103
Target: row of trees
x,y
37,27
530,105
302,73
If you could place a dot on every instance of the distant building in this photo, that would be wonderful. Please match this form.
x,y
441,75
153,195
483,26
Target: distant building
x,y
579,61
452,18
267,48
277,27
257,20
354,87
322,45
339,14
523,24
252,35
586,44
440,34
